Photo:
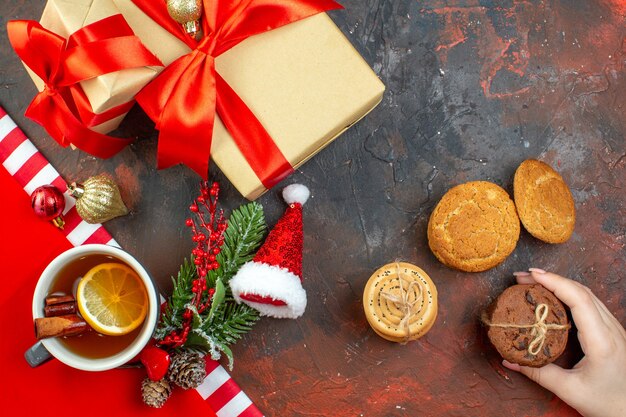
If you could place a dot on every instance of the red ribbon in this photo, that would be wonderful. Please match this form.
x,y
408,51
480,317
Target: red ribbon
x,y
184,98
62,108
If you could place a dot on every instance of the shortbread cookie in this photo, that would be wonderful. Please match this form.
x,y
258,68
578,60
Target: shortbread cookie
x,y
474,227
400,302
544,202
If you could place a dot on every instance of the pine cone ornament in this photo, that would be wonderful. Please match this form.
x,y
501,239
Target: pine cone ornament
x,y
155,393
187,369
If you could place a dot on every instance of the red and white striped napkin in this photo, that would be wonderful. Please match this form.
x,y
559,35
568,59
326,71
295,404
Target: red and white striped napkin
x,y
30,169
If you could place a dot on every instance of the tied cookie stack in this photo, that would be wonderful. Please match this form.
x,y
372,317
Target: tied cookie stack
x,y
527,325
400,302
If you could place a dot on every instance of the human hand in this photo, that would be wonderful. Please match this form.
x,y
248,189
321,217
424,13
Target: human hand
x,y
596,386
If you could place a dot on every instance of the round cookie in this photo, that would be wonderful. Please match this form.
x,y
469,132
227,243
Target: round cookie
x,y
517,306
386,304
544,202
474,227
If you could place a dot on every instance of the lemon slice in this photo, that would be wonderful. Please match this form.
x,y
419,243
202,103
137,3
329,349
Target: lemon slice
x,y
112,299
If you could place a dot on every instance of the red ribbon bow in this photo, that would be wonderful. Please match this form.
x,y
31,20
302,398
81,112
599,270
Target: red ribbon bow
x,y
62,108
184,98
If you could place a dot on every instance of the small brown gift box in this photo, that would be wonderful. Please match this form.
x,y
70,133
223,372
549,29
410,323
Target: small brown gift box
x,y
105,92
305,82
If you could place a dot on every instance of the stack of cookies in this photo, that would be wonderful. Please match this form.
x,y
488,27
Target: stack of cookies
x,y
400,302
476,226
528,325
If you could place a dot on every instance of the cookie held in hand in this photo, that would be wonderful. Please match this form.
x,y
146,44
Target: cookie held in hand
x,y
544,202
528,325
474,227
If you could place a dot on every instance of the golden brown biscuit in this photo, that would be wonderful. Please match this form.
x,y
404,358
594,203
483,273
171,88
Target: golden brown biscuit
x,y
400,302
544,203
474,227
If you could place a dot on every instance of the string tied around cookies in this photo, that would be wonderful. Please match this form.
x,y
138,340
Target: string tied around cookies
x,y
539,328
403,303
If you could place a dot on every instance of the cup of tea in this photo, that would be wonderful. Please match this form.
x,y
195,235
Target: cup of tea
x,y
95,347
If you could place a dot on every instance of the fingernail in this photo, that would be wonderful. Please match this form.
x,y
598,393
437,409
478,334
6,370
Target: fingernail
x,y
537,270
521,274
511,366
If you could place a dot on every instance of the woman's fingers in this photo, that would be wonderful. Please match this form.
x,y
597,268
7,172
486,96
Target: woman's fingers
x,y
592,329
524,278
610,320
595,385
551,377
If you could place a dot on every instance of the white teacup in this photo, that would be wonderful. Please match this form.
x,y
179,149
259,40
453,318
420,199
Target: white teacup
x,y
58,349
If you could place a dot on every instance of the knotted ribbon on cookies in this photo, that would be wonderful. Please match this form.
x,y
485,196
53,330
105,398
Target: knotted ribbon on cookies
x,y
400,302
184,99
403,302
62,108
539,328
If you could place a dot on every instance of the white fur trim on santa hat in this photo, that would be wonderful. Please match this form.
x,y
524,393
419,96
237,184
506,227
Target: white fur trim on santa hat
x,y
270,281
296,193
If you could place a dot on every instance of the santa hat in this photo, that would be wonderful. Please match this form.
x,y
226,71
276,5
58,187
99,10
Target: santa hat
x,y
272,282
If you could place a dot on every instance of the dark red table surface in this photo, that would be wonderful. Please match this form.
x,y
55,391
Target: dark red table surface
x,y
473,89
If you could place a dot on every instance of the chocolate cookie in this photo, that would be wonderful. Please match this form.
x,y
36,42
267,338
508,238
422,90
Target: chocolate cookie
x,y
474,227
528,325
544,203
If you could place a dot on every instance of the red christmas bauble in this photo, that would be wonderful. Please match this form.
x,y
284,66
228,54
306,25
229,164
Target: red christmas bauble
x,y
156,360
48,203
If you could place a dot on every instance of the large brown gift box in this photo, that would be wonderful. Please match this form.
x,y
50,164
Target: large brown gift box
x,y
107,91
304,81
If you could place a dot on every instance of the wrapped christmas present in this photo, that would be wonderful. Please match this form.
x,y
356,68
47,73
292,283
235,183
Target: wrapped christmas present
x,y
88,65
268,85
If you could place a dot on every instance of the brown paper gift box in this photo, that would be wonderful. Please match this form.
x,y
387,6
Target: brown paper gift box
x,y
305,82
105,92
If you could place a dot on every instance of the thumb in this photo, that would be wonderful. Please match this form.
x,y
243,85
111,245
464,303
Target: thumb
x,y
551,377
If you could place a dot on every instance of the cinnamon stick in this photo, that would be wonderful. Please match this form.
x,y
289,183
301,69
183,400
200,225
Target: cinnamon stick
x,y
59,309
58,299
68,325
